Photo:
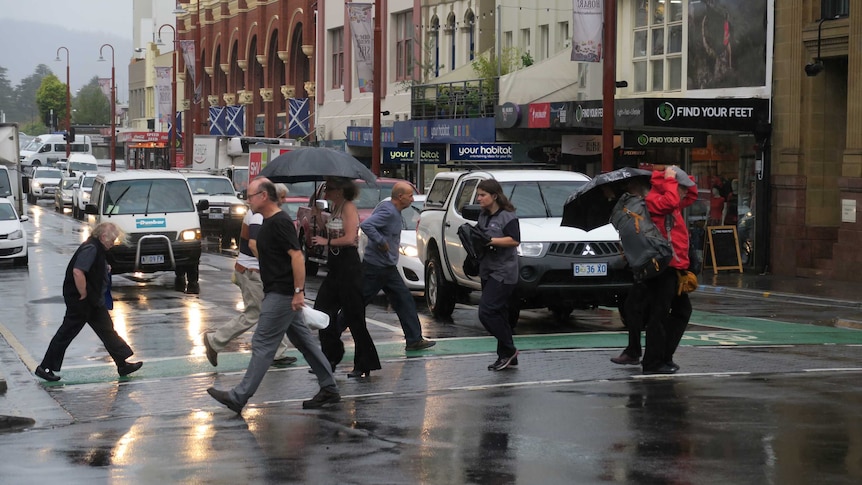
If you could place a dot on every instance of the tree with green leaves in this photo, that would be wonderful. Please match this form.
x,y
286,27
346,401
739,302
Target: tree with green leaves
x,y
51,95
91,107
25,97
7,100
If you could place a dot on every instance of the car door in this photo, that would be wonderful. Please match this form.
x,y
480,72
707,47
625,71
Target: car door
x,y
455,252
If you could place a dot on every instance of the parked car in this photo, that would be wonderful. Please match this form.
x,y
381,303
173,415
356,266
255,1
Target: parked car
x,y
81,194
312,217
44,183
297,196
63,196
223,217
410,267
13,236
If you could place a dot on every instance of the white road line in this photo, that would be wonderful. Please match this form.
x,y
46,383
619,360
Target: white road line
x,y
835,369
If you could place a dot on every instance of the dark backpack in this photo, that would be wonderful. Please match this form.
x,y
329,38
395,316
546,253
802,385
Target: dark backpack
x,y
647,252
475,242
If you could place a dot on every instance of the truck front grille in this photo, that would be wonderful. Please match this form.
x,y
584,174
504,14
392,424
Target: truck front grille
x,y
585,249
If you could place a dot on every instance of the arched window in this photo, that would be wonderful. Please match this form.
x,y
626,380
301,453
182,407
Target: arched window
x,y
470,26
450,28
434,38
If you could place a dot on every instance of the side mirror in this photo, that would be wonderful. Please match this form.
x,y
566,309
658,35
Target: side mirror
x,y
203,205
471,212
24,218
322,205
91,209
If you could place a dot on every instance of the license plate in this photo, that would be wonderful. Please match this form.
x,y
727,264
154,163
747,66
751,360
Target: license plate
x,y
154,259
590,269
216,216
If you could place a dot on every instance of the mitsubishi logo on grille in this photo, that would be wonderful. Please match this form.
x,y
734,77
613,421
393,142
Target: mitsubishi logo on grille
x,y
588,251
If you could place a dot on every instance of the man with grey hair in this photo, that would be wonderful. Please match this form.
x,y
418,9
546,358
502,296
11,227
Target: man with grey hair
x,y
87,278
246,275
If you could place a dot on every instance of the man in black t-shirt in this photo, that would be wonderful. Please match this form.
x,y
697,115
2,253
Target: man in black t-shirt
x,y
282,270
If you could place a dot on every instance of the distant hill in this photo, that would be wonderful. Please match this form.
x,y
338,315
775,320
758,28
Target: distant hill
x,y
28,44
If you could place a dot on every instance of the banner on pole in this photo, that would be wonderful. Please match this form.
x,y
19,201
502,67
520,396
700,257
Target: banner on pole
x,y
163,89
105,85
587,30
188,48
363,43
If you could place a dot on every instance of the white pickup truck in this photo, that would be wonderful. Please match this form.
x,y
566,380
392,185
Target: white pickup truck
x,y
561,268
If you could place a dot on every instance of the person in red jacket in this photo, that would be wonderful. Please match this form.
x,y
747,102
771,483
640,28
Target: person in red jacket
x,y
666,312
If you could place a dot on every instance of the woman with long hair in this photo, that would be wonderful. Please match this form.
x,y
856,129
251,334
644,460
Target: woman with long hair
x,y
341,290
498,268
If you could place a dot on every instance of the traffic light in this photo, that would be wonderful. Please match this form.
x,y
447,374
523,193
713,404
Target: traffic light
x,y
72,134
66,136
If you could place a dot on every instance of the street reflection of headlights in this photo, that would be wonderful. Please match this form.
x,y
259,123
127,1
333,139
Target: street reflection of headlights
x,y
16,234
191,234
408,250
239,210
532,249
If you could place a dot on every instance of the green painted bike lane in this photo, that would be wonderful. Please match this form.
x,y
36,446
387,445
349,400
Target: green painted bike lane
x,y
719,330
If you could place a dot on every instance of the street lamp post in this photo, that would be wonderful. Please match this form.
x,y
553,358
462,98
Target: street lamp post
x,y
173,117
68,101
377,80
113,107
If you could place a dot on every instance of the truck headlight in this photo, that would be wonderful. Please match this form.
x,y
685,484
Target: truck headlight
x,y
532,249
239,210
85,197
37,185
190,234
16,234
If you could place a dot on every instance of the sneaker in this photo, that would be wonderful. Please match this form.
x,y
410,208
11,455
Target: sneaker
x,y
283,361
514,362
322,398
224,398
503,362
128,367
625,359
47,374
193,288
212,355
662,369
420,344
673,365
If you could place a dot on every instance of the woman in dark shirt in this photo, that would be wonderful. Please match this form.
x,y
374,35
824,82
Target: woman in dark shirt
x,y
498,269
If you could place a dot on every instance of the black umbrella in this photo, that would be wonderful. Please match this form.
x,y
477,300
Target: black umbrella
x,y
308,164
588,207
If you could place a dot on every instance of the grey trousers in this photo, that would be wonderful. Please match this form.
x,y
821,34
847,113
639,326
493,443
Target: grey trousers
x,y
277,318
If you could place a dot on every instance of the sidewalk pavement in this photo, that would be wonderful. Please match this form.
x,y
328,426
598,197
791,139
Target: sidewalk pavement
x,y
834,293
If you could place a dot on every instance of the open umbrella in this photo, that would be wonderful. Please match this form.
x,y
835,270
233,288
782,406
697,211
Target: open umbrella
x,y
588,207
307,164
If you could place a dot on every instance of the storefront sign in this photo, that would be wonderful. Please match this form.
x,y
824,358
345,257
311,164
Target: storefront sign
x,y
560,114
582,144
362,136
539,115
143,137
480,152
407,155
469,130
716,114
641,139
508,115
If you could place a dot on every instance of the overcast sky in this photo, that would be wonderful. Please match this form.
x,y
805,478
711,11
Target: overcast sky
x,y
110,16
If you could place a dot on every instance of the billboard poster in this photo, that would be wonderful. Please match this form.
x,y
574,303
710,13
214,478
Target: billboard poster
x,y
363,38
587,23
726,44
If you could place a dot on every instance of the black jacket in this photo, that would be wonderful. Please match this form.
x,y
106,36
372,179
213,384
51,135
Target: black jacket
x,y
95,277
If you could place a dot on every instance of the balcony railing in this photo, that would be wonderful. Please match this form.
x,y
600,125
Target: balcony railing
x,y
474,98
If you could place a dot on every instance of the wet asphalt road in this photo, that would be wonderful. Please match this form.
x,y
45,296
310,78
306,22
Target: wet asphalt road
x,y
757,402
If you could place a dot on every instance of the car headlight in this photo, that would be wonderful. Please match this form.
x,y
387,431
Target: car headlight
x,y
85,197
532,249
408,250
37,185
190,234
239,210
16,234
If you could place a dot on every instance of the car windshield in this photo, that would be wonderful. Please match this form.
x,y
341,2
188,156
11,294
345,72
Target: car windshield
x,y
33,146
211,186
83,167
49,173
300,189
410,216
540,199
88,182
147,196
291,207
69,183
7,213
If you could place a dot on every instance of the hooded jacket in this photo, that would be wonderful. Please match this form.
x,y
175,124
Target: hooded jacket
x,y
663,199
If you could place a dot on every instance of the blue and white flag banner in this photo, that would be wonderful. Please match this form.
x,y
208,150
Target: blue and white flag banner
x,y
234,120
587,30
363,44
298,116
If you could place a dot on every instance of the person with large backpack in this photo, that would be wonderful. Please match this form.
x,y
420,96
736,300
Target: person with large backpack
x,y
654,301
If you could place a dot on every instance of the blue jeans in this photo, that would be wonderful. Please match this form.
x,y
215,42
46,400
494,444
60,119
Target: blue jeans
x,y
388,279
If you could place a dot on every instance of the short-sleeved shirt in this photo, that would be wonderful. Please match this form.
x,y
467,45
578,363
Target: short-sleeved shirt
x,y
85,260
500,263
277,235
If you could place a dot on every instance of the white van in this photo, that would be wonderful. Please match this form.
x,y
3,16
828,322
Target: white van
x,y
156,210
9,182
47,150
80,163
